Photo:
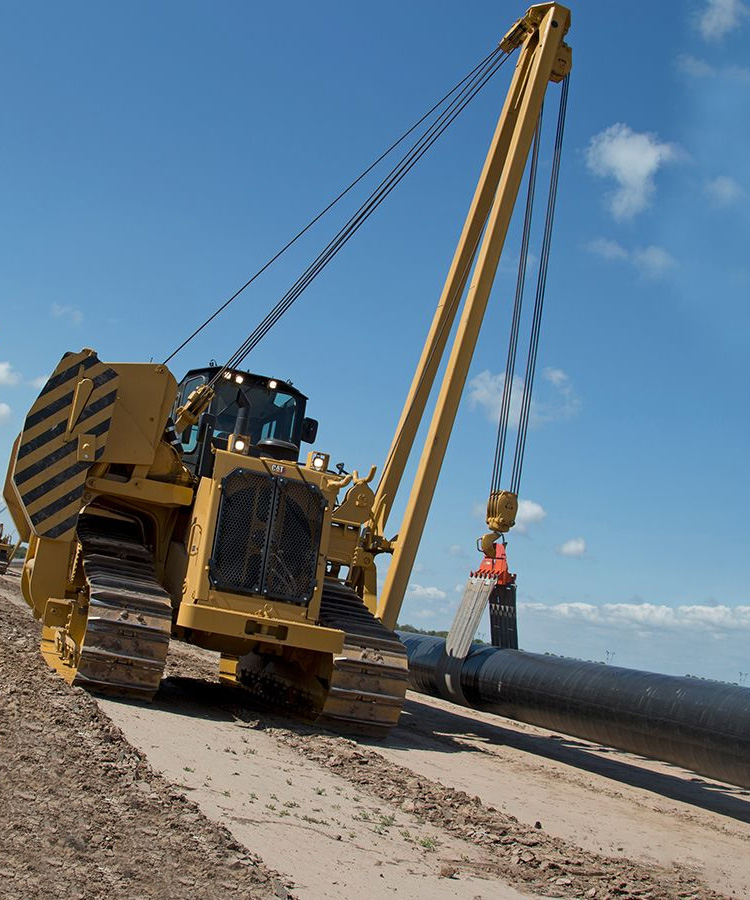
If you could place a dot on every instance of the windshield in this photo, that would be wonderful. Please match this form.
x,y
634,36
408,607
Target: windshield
x,y
270,413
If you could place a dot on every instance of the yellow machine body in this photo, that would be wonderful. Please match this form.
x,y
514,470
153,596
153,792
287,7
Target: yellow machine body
x,y
219,619
7,550
128,547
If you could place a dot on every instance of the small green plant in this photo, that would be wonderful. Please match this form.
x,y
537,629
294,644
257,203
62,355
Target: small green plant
x,y
320,791
314,821
291,804
187,769
270,806
428,843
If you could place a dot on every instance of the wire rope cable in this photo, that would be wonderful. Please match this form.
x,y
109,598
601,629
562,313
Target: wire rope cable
x,y
418,149
523,425
480,65
510,365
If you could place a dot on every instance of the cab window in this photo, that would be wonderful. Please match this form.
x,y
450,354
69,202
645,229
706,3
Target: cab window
x,y
189,437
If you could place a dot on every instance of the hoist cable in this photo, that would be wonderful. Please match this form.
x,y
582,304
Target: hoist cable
x,y
407,162
335,200
510,365
515,478
434,131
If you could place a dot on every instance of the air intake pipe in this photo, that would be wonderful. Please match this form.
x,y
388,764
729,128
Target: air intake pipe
x,y
700,725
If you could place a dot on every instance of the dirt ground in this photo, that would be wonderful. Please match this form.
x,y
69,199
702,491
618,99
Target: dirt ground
x,y
198,795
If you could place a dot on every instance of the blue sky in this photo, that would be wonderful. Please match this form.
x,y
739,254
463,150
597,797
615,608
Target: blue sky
x,y
155,154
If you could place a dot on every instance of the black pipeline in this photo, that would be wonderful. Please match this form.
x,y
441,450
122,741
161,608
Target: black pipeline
x,y
700,725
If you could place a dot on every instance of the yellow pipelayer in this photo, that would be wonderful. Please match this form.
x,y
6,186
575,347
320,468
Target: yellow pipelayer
x,y
157,510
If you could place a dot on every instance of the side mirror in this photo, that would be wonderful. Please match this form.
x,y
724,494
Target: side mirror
x,y
309,430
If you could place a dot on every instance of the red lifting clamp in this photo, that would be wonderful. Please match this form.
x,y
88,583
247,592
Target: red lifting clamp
x,y
496,567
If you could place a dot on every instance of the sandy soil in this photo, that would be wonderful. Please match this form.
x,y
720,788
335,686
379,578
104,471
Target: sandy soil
x,y
83,813
453,804
600,799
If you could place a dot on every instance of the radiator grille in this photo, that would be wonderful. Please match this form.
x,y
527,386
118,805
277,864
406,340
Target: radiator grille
x,y
267,537
295,540
245,513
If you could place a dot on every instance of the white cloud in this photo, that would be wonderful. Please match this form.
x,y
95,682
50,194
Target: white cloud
x,y
67,312
651,261
607,249
39,382
563,405
457,550
529,513
699,68
421,592
720,17
8,375
649,615
556,377
632,159
486,393
723,190
424,613
575,547
4,412
479,510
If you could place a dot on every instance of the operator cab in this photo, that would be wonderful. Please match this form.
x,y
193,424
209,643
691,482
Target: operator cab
x,y
268,411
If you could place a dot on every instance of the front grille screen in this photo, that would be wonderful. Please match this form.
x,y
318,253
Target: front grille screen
x,y
245,513
267,537
294,543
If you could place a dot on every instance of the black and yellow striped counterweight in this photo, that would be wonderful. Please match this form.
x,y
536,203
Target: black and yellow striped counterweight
x,y
64,433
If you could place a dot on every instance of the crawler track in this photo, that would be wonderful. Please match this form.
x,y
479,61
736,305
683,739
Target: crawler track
x,y
370,676
368,681
124,647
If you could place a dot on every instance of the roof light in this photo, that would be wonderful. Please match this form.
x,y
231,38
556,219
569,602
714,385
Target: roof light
x,y
239,379
273,384
319,462
228,375
239,445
